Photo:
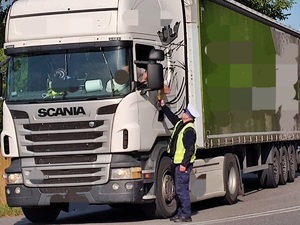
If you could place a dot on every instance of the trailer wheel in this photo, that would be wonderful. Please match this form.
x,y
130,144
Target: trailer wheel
x,y
283,177
231,179
45,214
292,163
269,178
165,204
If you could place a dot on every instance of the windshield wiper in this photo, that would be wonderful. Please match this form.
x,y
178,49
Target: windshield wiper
x,y
112,83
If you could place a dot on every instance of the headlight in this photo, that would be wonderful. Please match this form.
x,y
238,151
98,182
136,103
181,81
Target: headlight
x,y
14,178
126,173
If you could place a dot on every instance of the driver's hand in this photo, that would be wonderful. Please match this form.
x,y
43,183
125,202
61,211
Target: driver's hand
x,y
162,103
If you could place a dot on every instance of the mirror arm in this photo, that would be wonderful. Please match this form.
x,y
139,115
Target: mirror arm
x,y
143,92
141,62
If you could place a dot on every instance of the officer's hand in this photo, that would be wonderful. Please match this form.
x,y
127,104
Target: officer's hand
x,y
182,168
162,103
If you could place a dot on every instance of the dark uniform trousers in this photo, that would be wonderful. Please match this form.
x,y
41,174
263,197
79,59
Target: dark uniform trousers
x,y
182,190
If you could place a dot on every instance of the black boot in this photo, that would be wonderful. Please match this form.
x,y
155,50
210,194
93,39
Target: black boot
x,y
173,218
183,219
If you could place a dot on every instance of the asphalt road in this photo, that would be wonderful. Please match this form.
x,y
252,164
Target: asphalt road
x,y
258,206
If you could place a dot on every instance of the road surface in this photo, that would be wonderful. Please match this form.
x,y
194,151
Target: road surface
x,y
258,206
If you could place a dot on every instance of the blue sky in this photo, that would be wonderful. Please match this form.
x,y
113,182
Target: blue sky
x,y
294,19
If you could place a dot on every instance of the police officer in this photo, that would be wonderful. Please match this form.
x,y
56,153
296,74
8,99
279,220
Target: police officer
x,y
182,149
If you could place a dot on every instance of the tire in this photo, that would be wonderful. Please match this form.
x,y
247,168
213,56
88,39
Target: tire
x,y
165,204
45,214
284,168
269,178
231,179
292,163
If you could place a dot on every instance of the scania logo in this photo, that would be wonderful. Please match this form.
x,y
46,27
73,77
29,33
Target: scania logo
x,y
72,111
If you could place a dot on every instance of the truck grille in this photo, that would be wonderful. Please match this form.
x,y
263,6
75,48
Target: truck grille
x,y
66,189
67,176
68,154
64,159
64,147
63,136
81,136
65,152
63,126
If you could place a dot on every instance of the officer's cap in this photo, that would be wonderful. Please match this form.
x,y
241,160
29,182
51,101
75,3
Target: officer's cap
x,y
192,111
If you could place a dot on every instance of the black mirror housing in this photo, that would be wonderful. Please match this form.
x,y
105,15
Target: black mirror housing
x,y
155,79
156,55
155,76
155,70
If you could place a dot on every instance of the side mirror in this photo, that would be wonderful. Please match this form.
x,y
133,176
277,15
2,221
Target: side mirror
x,y
156,55
155,76
155,70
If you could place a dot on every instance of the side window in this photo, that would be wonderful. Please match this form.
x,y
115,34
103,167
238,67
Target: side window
x,y
142,51
142,54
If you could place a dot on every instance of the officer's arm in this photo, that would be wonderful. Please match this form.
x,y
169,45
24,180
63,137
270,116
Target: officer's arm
x,y
170,115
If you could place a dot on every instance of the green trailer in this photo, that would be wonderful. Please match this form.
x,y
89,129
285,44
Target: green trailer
x,y
250,76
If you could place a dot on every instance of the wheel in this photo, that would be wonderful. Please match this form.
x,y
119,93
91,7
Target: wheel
x,y
283,177
45,214
231,179
269,178
165,204
291,163
296,157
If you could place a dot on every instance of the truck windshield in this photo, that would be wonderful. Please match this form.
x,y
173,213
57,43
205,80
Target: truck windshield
x,y
90,73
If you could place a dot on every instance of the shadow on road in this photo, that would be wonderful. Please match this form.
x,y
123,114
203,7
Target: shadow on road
x,y
251,186
96,214
105,214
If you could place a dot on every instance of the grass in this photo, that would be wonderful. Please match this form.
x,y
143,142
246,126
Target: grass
x,y
6,211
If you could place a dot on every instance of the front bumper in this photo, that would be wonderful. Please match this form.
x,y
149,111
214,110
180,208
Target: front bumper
x,y
101,194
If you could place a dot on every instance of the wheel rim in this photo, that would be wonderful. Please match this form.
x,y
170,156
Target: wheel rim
x,y
232,181
284,165
292,163
168,187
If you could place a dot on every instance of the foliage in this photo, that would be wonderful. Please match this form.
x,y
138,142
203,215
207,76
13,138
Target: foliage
x,y
3,12
4,163
6,211
19,70
2,57
272,8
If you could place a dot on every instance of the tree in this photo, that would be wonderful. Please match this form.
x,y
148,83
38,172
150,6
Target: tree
x,y
272,8
2,56
2,26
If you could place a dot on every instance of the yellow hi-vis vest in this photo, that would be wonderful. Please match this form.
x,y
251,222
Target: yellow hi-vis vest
x,y
180,150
